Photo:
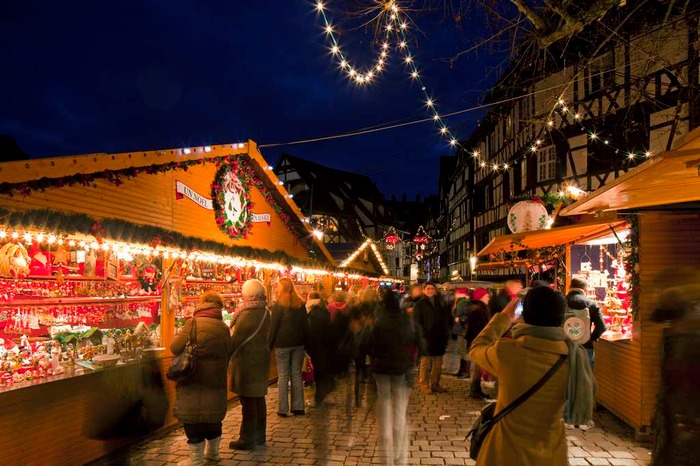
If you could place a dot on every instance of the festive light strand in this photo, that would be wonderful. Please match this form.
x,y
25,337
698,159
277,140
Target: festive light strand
x,y
397,24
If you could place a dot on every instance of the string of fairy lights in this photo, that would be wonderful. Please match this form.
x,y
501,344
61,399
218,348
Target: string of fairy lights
x,y
395,22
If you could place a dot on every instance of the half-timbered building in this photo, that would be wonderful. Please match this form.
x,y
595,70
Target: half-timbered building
x,y
580,113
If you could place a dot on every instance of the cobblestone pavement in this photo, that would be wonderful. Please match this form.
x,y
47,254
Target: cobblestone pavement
x,y
335,435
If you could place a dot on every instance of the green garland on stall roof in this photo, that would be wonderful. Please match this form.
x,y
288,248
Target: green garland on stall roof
x,y
121,230
117,177
67,223
632,263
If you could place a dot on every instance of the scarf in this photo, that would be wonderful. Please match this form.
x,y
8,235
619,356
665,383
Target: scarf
x,y
311,303
253,302
336,307
208,310
579,391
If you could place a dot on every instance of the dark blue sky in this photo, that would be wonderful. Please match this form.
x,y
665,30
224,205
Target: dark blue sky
x,y
87,76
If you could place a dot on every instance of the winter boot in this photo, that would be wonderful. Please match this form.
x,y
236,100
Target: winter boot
x,y
212,449
462,373
196,455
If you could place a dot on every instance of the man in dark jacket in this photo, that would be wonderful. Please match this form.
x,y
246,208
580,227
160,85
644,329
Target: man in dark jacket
x,y
434,321
506,295
414,296
577,299
478,317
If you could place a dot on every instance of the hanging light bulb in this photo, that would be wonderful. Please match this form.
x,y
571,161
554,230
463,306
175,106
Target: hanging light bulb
x,y
443,130
453,142
319,6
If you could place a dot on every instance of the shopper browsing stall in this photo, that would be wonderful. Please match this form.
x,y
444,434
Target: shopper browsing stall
x,y
201,399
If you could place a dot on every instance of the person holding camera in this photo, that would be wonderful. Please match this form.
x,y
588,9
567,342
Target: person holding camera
x,y
533,433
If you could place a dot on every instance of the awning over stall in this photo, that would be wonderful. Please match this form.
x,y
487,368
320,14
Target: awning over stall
x,y
556,236
668,178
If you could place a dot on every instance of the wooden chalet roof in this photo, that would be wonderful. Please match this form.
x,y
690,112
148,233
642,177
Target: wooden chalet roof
x,y
556,236
668,178
15,173
336,191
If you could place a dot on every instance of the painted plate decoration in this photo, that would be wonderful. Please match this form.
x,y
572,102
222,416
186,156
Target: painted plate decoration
x,y
232,204
527,216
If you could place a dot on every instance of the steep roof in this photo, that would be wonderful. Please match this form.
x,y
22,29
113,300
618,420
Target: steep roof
x,y
340,186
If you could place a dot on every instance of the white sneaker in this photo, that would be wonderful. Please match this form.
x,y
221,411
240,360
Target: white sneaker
x,y
585,427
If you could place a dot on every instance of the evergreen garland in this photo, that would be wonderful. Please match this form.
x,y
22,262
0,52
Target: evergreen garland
x,y
117,177
121,230
632,263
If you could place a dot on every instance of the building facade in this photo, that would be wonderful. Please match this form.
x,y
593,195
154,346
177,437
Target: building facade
x,y
578,114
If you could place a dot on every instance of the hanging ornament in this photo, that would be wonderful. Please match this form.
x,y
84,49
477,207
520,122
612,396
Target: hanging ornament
x,y
421,236
391,239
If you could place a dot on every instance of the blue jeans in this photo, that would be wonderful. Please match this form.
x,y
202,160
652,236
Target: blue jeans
x,y
591,356
289,366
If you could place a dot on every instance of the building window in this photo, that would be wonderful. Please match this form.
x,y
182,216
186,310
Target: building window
x,y
546,163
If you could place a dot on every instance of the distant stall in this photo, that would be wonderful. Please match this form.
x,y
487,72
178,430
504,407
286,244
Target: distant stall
x,y
660,199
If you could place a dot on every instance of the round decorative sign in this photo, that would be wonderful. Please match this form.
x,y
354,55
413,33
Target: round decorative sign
x,y
232,204
574,328
527,216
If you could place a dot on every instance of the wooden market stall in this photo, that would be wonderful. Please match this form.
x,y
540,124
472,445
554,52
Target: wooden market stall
x,y
107,253
660,199
594,248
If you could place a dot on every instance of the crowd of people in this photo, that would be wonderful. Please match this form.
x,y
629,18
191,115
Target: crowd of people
x,y
386,338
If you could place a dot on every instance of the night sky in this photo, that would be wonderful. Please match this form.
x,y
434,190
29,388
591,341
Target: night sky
x,y
85,76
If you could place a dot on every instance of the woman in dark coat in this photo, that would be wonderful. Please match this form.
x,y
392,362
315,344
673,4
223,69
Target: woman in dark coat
x,y
201,400
288,334
478,316
250,364
320,345
389,345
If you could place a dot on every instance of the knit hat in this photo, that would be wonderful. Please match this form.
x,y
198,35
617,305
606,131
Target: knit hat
x,y
461,293
544,307
479,293
253,289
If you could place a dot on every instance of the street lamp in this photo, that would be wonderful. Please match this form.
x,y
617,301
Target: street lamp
x,y
472,266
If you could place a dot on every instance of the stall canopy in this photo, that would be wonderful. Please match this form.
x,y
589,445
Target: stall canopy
x,y
556,236
668,178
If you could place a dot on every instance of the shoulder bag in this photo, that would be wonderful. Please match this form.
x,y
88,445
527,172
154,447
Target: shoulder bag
x,y
183,364
487,420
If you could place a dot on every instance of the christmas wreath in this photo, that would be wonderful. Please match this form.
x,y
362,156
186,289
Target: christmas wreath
x,y
230,192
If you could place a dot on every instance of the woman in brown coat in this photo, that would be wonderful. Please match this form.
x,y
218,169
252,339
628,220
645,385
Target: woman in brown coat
x,y
201,400
250,365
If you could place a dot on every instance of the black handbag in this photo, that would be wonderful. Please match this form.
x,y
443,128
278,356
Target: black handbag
x,y
183,364
486,420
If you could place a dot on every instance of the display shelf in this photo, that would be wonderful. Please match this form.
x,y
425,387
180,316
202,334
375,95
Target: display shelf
x,y
42,302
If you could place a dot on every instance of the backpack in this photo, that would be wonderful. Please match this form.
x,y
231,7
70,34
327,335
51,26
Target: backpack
x,y
577,325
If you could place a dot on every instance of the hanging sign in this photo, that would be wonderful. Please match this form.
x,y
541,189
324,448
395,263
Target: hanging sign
x,y
527,216
182,190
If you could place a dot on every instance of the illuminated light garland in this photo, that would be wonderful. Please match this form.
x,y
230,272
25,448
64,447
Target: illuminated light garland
x,y
126,250
356,253
355,75
398,25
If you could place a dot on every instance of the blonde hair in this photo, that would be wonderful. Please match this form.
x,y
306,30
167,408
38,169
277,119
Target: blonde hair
x,y
338,296
369,296
287,295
